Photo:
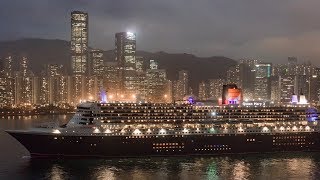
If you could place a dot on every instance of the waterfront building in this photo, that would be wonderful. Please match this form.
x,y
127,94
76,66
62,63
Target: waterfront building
x,y
24,84
6,82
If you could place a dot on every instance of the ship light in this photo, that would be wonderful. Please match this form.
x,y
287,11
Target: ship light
x,y
213,113
294,128
136,131
185,130
265,129
212,130
162,130
123,131
56,131
149,131
240,129
307,128
281,128
96,130
107,131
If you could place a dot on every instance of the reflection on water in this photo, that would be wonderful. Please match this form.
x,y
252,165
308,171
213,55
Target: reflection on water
x,y
14,163
267,166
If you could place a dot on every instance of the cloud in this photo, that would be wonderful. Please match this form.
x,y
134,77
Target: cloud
x,y
262,29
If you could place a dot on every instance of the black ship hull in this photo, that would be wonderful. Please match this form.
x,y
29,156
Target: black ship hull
x,y
58,145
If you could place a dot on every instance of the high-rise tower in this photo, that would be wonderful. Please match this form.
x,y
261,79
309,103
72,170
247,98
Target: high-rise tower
x,y
79,42
79,53
125,43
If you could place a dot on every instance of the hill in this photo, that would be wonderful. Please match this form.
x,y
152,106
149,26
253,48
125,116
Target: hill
x,y
45,51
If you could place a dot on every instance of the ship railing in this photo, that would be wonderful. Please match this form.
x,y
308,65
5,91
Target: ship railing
x,y
47,125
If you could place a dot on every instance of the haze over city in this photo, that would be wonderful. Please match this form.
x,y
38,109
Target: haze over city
x,y
243,29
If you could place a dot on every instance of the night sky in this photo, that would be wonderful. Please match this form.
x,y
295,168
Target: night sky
x,y
264,29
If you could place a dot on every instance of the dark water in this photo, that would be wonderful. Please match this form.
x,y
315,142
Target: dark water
x,y
15,163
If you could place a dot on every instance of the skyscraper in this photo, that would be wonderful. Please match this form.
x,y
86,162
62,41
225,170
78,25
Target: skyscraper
x,y
287,84
125,52
6,82
202,91
24,84
156,83
215,88
79,42
97,64
262,86
79,53
247,77
182,85
292,66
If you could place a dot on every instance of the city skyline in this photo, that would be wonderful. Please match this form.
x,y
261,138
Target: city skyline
x,y
132,78
290,29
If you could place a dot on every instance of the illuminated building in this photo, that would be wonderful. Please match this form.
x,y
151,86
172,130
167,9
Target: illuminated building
x,y
24,84
292,66
156,83
63,89
275,89
139,64
125,43
262,86
97,63
286,84
279,70
92,88
182,85
202,91
233,75
6,82
153,64
247,77
79,42
215,88
79,88
315,86
46,88
54,70
79,53
231,94
110,79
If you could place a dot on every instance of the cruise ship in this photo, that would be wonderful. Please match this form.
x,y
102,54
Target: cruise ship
x,y
171,129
